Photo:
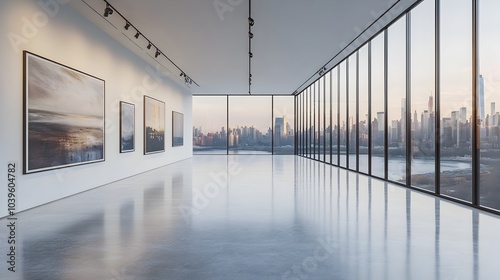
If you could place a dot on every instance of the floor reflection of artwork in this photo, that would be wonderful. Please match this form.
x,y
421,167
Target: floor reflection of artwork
x,y
64,116
127,127
154,125
177,129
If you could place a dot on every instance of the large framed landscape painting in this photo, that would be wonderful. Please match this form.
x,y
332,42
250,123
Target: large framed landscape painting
x,y
177,129
63,116
127,127
154,126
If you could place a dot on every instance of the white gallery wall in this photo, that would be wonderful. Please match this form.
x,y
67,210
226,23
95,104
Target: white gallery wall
x,y
59,33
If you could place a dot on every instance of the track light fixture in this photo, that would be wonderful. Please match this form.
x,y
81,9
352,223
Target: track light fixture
x,y
322,71
251,22
108,11
250,54
188,80
250,34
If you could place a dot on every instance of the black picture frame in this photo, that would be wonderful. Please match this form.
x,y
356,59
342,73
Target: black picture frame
x,y
127,127
63,116
154,125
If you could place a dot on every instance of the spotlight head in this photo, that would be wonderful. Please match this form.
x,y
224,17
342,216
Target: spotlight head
x,y
157,54
137,35
149,45
108,11
182,74
250,34
250,54
127,25
251,22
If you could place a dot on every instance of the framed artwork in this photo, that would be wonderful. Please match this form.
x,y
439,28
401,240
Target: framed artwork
x,y
127,127
154,126
63,116
177,129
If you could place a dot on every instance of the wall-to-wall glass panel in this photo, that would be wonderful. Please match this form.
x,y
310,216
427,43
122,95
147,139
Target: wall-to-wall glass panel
x,y
343,113
303,122
320,121
306,122
423,95
310,127
314,108
283,125
315,121
456,98
297,123
250,131
396,106
327,127
209,124
363,120
488,98
377,105
353,112
334,75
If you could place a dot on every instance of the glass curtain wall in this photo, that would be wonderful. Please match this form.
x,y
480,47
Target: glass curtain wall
x,y
210,125
423,96
320,90
488,96
310,124
327,119
456,98
283,140
363,103
250,133
343,122
378,105
352,111
396,105
334,76
437,113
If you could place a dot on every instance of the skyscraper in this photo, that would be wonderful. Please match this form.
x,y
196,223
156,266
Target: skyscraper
x,y
481,98
463,114
430,105
380,120
415,121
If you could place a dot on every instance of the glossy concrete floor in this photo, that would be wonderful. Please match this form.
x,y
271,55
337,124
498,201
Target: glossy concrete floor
x,y
253,217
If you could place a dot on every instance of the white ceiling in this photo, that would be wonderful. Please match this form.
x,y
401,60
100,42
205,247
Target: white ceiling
x,y
293,38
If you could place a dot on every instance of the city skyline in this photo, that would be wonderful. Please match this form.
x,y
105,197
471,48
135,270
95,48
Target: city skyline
x,y
234,136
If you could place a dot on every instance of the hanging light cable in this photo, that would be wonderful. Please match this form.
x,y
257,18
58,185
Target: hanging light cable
x,y
251,23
